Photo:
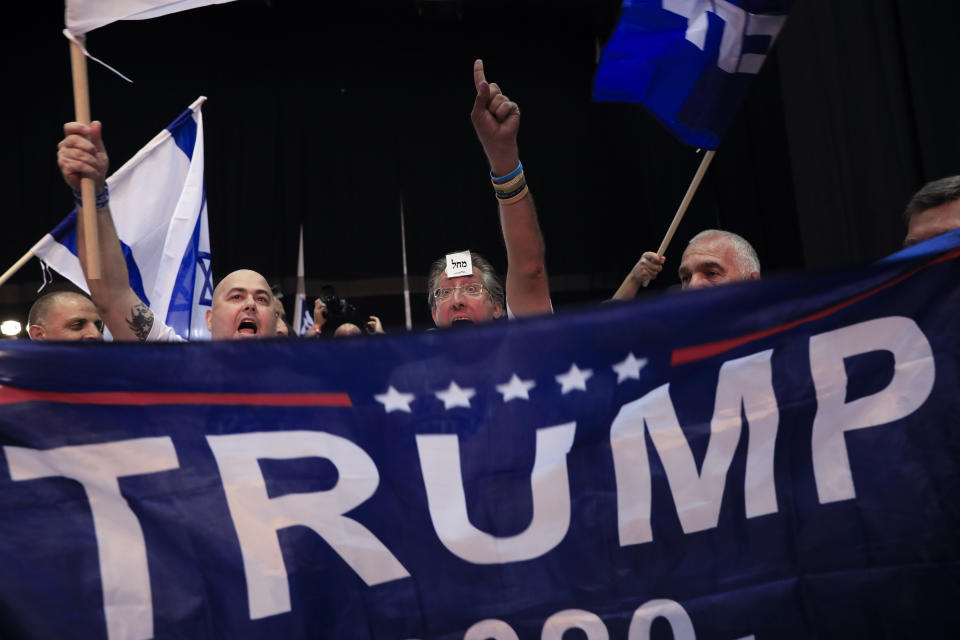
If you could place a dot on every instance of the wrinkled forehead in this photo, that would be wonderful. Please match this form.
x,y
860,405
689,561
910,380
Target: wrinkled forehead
x,y
710,250
242,279
444,281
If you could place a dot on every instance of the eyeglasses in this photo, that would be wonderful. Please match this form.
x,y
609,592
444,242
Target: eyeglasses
x,y
473,290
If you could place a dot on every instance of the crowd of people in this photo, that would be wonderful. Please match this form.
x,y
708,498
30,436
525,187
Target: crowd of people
x,y
462,287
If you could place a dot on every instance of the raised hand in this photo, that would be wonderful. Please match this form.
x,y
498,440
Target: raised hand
x,y
319,314
81,154
647,268
496,119
374,325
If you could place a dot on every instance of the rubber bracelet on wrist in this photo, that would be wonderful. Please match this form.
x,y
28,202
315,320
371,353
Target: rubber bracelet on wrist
x,y
520,195
509,176
506,195
102,199
512,185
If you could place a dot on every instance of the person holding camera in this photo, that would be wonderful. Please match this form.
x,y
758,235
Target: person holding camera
x,y
340,307
475,294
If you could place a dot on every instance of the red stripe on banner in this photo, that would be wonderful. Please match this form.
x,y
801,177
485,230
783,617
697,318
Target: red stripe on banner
x,y
11,395
710,349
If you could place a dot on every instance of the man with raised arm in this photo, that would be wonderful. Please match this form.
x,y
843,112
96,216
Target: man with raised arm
x,y
242,302
464,288
713,257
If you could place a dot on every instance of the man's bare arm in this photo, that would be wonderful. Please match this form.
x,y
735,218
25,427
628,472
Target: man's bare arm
x,y
496,120
645,271
82,154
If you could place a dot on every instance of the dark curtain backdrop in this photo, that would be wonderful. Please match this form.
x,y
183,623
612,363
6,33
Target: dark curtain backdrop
x,y
335,115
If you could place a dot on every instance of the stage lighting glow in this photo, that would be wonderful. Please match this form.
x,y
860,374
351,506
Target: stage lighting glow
x,y
10,327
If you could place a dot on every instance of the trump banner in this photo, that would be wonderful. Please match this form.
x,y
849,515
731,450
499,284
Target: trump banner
x,y
690,62
770,459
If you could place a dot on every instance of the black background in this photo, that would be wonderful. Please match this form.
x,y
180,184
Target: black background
x,y
331,115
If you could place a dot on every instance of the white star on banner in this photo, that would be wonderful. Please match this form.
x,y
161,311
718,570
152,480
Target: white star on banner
x,y
454,396
629,368
516,389
393,400
574,379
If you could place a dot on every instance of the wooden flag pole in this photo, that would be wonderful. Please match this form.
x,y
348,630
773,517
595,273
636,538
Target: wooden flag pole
x,y
685,203
16,267
81,105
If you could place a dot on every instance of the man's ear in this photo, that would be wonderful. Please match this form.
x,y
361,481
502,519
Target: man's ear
x,y
36,332
433,314
497,309
754,275
209,317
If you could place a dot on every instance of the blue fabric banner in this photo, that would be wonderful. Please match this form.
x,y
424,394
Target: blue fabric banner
x,y
690,62
773,459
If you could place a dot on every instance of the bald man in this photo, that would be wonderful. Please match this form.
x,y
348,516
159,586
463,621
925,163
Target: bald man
x,y
242,304
64,315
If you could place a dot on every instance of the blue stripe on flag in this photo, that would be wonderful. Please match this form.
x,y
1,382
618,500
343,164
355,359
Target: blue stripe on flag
x,y
184,132
180,311
65,233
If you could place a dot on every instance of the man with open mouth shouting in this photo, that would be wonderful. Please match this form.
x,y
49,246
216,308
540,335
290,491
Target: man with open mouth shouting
x,y
242,303
463,287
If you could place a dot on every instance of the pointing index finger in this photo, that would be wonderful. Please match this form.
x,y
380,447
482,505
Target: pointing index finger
x,y
478,76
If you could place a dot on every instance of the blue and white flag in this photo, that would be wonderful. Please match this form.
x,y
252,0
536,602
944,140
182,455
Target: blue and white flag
x,y
777,459
302,314
690,62
159,208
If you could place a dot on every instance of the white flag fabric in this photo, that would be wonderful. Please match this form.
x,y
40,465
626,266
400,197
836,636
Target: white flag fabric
x,y
159,208
303,317
82,16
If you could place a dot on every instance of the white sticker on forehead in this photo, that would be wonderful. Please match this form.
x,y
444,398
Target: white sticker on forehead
x,y
459,264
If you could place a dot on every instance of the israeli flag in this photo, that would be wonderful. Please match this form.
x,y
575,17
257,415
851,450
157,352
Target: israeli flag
x,y
159,209
690,62
303,316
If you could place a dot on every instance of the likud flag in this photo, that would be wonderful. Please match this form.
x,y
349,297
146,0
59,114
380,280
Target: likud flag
x,y
303,319
690,62
82,16
159,208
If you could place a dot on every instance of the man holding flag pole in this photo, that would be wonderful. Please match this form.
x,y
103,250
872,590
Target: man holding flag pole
x,y
81,17
242,304
690,63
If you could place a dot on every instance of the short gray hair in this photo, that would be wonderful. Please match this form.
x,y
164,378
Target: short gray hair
x,y
491,281
933,194
747,259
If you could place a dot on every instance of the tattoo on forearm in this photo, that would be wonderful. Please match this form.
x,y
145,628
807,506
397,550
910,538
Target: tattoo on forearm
x,y
141,321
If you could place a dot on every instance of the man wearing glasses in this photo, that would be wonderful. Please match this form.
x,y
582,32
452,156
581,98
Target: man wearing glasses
x,y
464,288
